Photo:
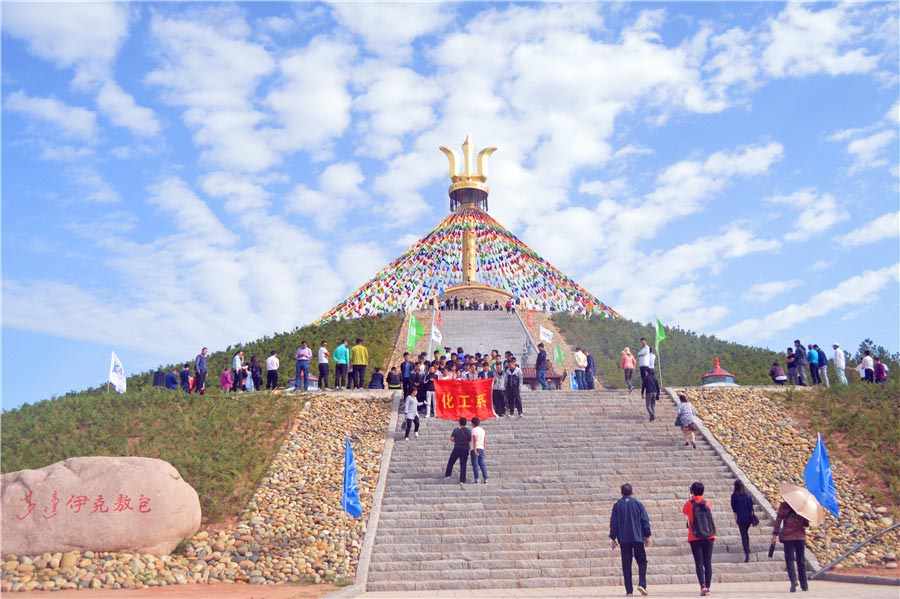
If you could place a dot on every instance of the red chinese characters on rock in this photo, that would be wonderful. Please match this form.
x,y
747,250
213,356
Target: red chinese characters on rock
x,y
468,399
78,503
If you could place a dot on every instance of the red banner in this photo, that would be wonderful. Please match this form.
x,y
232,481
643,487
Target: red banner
x,y
454,399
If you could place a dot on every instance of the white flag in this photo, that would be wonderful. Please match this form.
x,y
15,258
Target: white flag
x,y
546,335
436,335
117,373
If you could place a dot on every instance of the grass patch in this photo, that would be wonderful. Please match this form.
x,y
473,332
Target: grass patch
x,y
222,444
861,426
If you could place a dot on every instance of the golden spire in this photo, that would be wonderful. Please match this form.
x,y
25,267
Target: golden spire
x,y
468,179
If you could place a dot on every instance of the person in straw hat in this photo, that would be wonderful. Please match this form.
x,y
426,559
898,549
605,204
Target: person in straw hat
x,y
791,521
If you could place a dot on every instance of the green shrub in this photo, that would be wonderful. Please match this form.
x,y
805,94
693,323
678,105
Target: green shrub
x,y
684,356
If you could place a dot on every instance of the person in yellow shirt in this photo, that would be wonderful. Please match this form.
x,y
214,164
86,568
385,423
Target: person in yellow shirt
x,y
359,359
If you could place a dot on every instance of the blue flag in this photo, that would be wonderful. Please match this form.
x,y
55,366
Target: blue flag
x,y
819,480
350,495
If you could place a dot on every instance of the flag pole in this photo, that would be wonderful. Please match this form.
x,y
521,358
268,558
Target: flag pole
x,y
659,361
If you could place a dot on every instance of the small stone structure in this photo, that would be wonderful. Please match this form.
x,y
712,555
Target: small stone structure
x,y
718,377
97,504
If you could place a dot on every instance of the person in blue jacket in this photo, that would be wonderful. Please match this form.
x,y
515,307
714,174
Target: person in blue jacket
x,y
629,526
172,379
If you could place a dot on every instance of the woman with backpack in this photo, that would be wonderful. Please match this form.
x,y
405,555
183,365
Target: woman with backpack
x,y
701,535
790,529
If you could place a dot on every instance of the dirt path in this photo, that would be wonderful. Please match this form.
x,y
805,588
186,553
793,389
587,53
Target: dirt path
x,y
192,591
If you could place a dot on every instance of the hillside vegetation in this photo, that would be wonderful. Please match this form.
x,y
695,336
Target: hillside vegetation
x,y
684,356
221,443
861,425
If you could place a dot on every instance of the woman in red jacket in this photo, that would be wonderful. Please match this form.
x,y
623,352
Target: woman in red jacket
x,y
701,535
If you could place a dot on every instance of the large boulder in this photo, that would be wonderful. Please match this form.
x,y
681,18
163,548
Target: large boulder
x,y
97,504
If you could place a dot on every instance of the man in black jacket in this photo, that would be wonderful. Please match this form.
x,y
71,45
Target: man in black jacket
x,y
540,367
461,438
630,526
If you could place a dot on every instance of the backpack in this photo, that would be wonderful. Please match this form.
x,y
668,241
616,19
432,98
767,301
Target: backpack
x,y
702,524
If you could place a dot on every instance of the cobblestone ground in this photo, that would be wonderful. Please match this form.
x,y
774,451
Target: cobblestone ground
x,y
771,447
292,530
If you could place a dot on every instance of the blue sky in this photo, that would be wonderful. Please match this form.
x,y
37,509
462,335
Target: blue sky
x,y
177,175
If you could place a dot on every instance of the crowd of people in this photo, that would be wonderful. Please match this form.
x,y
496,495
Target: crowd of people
x,y
808,365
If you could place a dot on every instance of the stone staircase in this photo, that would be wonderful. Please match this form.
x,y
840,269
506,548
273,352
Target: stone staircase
x,y
543,519
493,329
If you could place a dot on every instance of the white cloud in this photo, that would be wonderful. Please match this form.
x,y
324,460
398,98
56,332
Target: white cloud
x,y
97,188
123,111
213,72
856,290
867,150
803,42
71,121
312,100
811,214
357,262
615,189
64,153
242,195
339,195
763,292
885,226
189,213
389,28
211,275
662,272
398,101
893,115
85,36
734,63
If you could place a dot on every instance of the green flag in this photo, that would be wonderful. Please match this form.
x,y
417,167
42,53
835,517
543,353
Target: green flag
x,y
416,331
559,356
660,333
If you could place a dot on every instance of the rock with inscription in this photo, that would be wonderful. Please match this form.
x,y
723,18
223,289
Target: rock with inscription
x,y
97,504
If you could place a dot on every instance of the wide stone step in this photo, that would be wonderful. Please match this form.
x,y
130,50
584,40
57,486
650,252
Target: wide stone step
x,y
543,520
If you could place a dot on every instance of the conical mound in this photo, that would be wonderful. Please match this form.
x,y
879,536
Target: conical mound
x,y
433,265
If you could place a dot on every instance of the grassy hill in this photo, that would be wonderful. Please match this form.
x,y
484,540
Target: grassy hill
x,y
862,424
685,356
221,443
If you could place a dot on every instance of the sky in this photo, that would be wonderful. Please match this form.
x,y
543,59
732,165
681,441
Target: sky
x,y
179,175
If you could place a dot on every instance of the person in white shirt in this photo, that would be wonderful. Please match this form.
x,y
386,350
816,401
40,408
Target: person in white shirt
x,y
840,363
323,365
302,358
412,411
868,367
272,365
580,365
477,452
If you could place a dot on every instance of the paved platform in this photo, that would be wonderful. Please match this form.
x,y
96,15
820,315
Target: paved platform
x,y
727,590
